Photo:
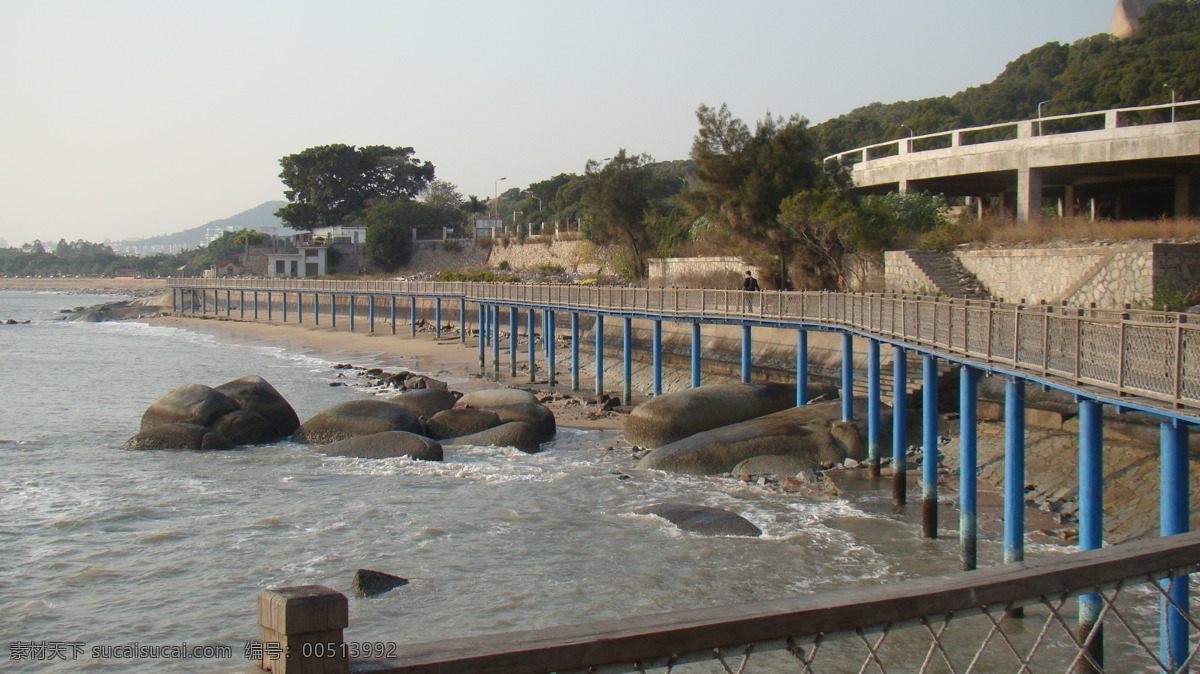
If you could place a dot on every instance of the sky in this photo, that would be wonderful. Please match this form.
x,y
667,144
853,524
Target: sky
x,y
131,118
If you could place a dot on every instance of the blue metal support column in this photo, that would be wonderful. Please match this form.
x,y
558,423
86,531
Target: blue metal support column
x,y
574,350
412,316
929,457
241,303
283,305
801,368
532,346
437,318
599,360
270,304
695,355
514,327
874,408
1173,513
548,331
1014,471
551,376
462,320
899,426
392,312
495,335
300,308
1091,521
228,302
371,312
332,310
255,305
482,341
627,360
968,522
316,308
747,341
656,357
353,301
847,377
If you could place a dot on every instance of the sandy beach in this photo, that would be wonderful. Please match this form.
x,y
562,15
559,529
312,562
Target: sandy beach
x,y
139,287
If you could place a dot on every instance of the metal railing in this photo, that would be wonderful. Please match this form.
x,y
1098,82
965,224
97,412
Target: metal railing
x,y
1134,357
957,623
1110,119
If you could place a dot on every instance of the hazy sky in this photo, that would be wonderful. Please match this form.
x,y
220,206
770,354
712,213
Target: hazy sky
x,y
128,118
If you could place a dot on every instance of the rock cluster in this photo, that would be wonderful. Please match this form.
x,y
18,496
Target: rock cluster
x,y
194,416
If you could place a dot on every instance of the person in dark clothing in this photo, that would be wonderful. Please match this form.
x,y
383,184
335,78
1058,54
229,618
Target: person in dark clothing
x,y
750,285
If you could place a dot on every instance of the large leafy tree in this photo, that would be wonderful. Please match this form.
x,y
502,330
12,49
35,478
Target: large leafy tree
x,y
618,197
390,224
743,176
333,184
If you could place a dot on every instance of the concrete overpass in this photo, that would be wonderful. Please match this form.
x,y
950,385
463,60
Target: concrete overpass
x,y
1141,162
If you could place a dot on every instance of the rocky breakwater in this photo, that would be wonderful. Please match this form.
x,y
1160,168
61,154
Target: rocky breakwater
x,y
417,422
119,310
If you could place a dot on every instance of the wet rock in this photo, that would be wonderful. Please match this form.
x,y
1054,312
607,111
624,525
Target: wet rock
x,y
246,427
702,519
425,402
353,418
178,436
191,403
535,414
775,464
462,421
369,583
496,396
387,445
674,416
516,434
254,393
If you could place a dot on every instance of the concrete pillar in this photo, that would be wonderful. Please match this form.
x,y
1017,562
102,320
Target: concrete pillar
x,y
302,629
902,186
1187,196
1029,194
1068,210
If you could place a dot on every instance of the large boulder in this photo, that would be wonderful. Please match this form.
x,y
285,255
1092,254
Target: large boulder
x,y
775,464
462,421
246,427
356,417
178,436
702,519
800,431
425,402
192,404
674,416
386,445
535,414
368,583
253,393
493,397
516,434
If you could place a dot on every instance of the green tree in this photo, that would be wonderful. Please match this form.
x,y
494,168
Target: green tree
x,y
618,197
742,177
390,224
333,184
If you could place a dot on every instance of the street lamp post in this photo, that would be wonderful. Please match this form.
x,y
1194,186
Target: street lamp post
x,y
1040,115
1172,102
515,214
910,135
539,209
496,196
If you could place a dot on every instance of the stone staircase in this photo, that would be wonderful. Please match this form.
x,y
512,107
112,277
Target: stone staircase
x,y
949,277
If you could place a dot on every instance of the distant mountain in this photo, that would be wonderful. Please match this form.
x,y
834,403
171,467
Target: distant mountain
x,y
261,218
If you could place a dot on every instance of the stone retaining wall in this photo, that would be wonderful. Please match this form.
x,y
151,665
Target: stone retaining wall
x,y
576,257
902,275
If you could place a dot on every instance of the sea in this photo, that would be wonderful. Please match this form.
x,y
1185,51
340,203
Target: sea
x,y
131,561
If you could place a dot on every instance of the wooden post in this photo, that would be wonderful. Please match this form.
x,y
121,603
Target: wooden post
x,y
302,630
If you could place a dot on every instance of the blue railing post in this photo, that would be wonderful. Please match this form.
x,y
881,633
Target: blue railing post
x,y
929,458
899,426
514,327
847,377
551,376
1173,514
801,368
627,360
1014,471
656,356
695,355
599,353
874,407
1091,519
530,328
747,341
574,350
968,403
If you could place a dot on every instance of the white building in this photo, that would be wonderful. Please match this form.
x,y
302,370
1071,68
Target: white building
x,y
311,260
341,234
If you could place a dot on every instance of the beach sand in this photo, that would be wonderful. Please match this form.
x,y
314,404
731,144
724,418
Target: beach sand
x,y
139,287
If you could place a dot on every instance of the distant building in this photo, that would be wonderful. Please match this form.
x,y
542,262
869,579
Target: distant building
x,y
340,234
1127,17
310,260
489,228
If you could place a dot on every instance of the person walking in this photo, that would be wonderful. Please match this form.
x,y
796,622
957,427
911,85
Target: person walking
x,y
750,285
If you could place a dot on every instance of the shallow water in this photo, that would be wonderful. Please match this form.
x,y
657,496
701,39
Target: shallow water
x,y
102,546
